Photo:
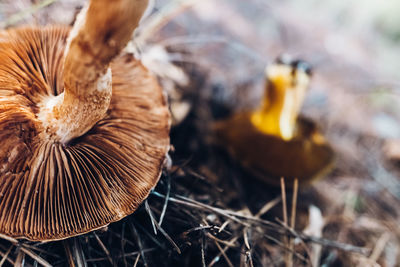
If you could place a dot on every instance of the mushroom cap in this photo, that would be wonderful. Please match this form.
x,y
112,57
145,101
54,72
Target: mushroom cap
x,y
306,156
50,190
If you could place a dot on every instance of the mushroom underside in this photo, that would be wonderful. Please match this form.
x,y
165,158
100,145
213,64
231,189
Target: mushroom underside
x,y
49,190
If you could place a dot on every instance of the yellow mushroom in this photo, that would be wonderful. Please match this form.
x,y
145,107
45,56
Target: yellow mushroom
x,y
273,141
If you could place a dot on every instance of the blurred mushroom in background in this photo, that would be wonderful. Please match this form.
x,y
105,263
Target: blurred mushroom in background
x,y
273,141
84,130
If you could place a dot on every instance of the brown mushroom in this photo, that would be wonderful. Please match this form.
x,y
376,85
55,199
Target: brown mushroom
x,y
272,141
84,131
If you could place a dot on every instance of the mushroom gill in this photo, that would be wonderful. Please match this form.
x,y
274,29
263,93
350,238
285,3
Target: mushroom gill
x,y
84,131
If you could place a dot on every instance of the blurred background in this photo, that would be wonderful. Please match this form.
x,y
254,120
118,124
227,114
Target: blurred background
x,y
210,56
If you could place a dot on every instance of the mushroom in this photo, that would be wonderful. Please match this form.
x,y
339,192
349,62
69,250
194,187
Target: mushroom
x,y
273,141
84,130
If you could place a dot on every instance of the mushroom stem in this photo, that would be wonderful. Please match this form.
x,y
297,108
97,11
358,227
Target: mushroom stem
x,y
101,31
284,96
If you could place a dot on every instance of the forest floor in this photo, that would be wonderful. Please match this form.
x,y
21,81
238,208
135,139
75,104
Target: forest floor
x,y
209,211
